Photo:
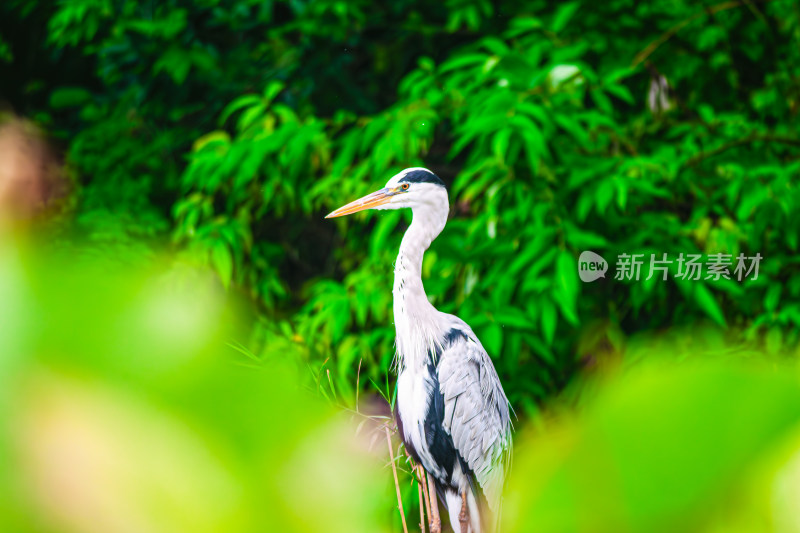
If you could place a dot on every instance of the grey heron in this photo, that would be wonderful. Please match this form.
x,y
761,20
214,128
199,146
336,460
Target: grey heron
x,y
452,412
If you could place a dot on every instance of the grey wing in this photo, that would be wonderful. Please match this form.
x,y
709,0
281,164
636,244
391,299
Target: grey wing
x,y
476,413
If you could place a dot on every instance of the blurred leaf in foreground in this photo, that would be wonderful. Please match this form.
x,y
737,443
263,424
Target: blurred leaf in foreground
x,y
666,448
125,410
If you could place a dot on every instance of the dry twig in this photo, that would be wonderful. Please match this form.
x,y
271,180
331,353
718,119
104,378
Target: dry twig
x,y
423,481
396,482
421,507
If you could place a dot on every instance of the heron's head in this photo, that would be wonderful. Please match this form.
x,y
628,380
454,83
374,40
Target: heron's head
x,y
417,188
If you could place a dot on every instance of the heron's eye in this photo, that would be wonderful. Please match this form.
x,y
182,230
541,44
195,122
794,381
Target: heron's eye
x,y
405,186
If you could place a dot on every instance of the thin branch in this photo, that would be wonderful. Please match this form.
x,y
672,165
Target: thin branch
x,y
667,35
423,482
694,160
421,507
758,14
396,482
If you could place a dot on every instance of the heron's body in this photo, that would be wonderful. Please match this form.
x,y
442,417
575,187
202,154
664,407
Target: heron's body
x,y
451,411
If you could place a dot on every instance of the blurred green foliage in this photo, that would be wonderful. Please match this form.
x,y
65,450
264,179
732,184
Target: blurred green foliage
x,y
122,409
621,128
701,447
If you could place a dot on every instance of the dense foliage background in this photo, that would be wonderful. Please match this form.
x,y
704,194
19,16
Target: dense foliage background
x,y
232,127
228,129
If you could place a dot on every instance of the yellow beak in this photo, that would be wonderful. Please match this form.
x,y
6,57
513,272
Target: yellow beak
x,y
367,202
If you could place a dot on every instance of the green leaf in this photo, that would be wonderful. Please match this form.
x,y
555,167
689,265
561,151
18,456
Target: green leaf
x,y
772,297
563,15
549,319
383,229
500,143
222,261
272,90
705,299
511,316
621,92
214,138
495,46
462,61
572,127
602,101
584,240
69,97
176,62
246,100
566,286
251,115
492,339
603,195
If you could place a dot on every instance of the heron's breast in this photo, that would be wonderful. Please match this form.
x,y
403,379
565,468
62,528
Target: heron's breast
x,y
413,402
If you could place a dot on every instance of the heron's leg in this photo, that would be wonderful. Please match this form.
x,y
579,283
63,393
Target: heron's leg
x,y
463,516
436,522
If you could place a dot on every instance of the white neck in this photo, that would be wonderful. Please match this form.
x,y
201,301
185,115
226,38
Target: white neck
x,y
416,320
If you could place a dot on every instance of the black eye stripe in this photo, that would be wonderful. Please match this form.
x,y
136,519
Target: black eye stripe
x,y
422,176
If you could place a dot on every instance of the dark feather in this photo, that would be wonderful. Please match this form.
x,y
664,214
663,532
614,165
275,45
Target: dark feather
x,y
422,176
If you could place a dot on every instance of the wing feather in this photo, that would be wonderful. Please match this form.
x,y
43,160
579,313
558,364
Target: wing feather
x,y
476,413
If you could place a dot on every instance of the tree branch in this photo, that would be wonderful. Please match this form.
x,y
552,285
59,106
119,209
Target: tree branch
x,y
694,160
667,35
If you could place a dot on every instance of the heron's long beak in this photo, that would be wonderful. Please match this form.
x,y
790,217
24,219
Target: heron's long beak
x,y
367,202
